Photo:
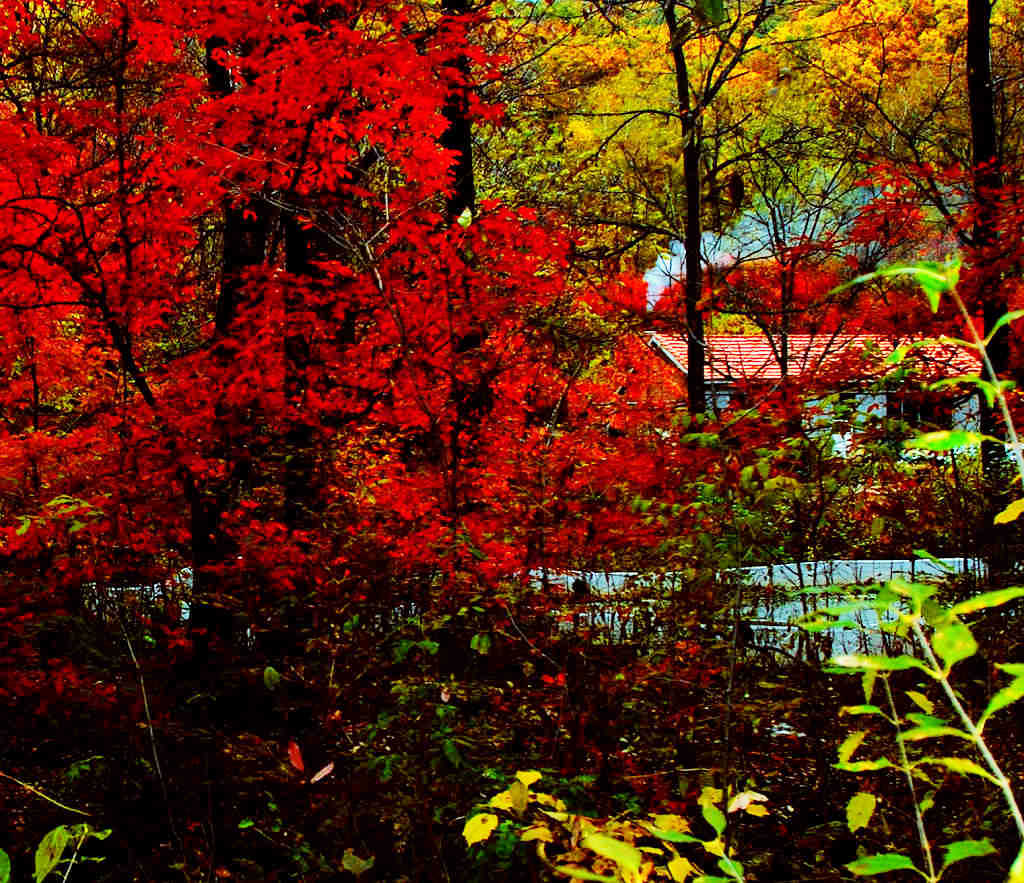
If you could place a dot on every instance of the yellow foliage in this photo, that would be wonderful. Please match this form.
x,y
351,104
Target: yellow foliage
x,y
681,868
479,827
527,776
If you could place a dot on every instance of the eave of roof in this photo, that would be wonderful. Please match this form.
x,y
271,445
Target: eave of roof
x,y
733,359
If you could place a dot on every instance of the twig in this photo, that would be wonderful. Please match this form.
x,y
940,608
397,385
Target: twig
x,y
905,763
1004,408
152,732
528,642
733,653
74,855
39,793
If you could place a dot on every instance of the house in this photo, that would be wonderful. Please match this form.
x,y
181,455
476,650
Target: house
x,y
857,370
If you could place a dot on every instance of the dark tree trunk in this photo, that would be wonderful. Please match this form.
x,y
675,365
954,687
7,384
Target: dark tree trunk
x,y
987,174
245,227
245,238
696,389
458,137
987,180
299,477
245,241
985,235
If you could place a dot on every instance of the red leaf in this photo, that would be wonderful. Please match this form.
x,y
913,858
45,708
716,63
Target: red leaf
x,y
295,756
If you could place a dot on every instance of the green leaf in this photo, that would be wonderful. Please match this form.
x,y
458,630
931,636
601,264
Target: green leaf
x,y
481,642
583,874
465,219
714,817
1010,513
713,11
898,354
850,744
881,864
1006,696
271,677
859,810
992,390
354,864
946,440
5,867
880,663
50,850
865,766
959,380
961,765
861,709
933,277
921,701
868,684
672,836
916,734
245,823
627,857
954,643
918,593
925,720
962,849
86,830
451,753
731,867
935,614
479,828
987,599
1017,868
928,556
1003,320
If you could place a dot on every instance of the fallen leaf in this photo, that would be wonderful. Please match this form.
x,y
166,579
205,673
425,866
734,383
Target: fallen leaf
x,y
295,756
322,773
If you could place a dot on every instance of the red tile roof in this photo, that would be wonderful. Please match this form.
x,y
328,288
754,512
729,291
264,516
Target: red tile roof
x,y
734,358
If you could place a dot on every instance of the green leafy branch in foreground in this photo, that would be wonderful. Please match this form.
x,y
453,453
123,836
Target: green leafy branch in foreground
x,y
948,639
616,850
945,639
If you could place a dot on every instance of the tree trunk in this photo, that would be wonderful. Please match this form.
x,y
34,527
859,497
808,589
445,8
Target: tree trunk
x,y
299,486
987,180
458,137
696,388
245,236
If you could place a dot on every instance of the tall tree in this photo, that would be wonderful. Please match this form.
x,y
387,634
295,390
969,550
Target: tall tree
x,y
987,184
641,145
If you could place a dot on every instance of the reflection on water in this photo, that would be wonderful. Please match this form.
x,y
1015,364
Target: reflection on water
x,y
622,606
775,622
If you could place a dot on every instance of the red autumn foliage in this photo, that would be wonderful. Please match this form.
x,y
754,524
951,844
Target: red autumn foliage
x,y
254,369
242,341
